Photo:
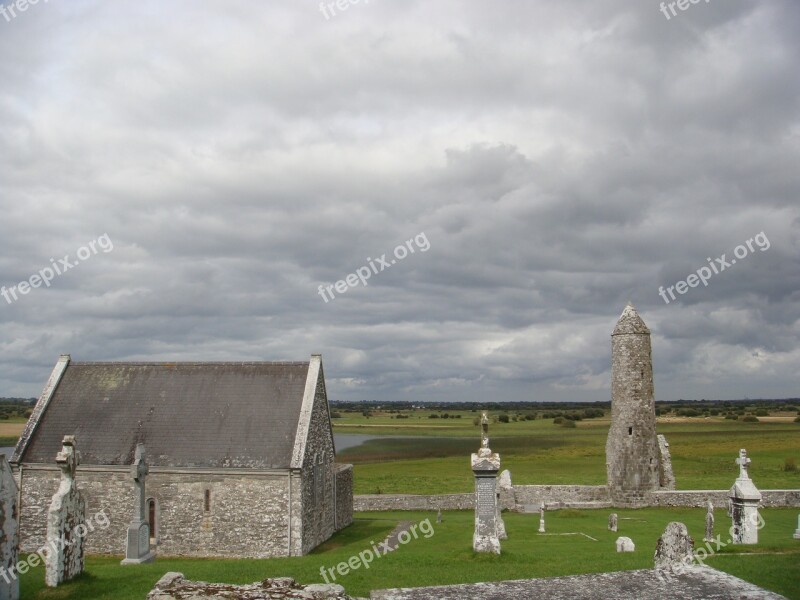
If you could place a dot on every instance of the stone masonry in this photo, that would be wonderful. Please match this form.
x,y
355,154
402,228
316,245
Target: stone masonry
x,y
632,454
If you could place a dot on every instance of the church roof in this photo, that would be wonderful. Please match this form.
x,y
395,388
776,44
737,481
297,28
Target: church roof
x,y
204,415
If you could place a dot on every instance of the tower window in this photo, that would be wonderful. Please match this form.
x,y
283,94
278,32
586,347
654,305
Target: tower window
x,y
630,430
207,501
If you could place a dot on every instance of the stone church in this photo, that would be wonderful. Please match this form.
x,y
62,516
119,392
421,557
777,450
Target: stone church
x,y
241,455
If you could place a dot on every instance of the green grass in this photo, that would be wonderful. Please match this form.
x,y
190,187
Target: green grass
x,y
436,459
446,557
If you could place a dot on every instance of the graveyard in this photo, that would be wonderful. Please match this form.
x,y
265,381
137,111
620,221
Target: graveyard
x,y
566,548
447,557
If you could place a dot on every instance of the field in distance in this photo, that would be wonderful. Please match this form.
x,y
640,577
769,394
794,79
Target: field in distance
x,y
417,454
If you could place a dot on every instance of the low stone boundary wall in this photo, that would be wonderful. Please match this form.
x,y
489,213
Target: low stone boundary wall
x,y
530,497
719,498
376,502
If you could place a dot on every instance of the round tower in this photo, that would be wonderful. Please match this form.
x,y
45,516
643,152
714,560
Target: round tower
x,y
632,457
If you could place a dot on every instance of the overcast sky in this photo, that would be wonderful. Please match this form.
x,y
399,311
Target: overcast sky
x,y
556,159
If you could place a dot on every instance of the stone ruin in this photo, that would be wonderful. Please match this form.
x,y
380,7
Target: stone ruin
x,y
485,466
173,586
9,529
674,548
138,547
744,502
66,521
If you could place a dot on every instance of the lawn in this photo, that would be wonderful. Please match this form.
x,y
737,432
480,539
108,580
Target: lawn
x,y
435,457
446,556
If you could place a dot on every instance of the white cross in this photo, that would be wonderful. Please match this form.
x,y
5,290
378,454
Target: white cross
x,y
743,463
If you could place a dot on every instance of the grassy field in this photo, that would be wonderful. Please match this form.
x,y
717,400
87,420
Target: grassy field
x,y
10,431
446,555
435,456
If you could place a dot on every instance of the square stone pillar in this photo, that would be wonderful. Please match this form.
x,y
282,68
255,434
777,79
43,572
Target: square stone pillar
x,y
745,499
485,466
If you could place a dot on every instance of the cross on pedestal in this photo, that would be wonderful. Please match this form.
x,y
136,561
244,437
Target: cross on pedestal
x,y
743,463
138,549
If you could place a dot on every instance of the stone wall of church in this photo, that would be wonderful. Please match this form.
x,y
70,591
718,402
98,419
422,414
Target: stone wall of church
x,y
244,514
319,472
344,496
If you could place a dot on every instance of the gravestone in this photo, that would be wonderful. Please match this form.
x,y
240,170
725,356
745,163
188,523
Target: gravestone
x,y
625,544
66,521
612,522
744,502
485,465
501,525
138,547
439,516
797,531
9,528
507,499
666,476
709,536
674,548
541,519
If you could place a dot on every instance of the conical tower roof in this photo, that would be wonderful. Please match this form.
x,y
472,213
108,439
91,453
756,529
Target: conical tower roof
x,y
630,322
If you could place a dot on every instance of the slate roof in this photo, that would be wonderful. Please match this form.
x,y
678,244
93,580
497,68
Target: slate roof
x,y
208,415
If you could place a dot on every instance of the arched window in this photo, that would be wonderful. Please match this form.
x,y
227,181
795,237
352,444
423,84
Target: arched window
x,y
152,513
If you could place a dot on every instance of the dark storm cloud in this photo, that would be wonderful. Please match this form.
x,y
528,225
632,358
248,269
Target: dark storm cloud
x,y
561,158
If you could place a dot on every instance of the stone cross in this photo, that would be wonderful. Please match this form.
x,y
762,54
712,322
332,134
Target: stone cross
x,y
744,501
66,521
67,459
138,547
484,430
743,463
140,470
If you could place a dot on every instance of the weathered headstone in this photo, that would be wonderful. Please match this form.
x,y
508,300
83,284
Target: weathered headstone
x,y
541,519
485,465
501,524
674,547
9,529
612,522
709,536
745,499
439,516
507,499
138,547
66,521
797,531
666,476
625,544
